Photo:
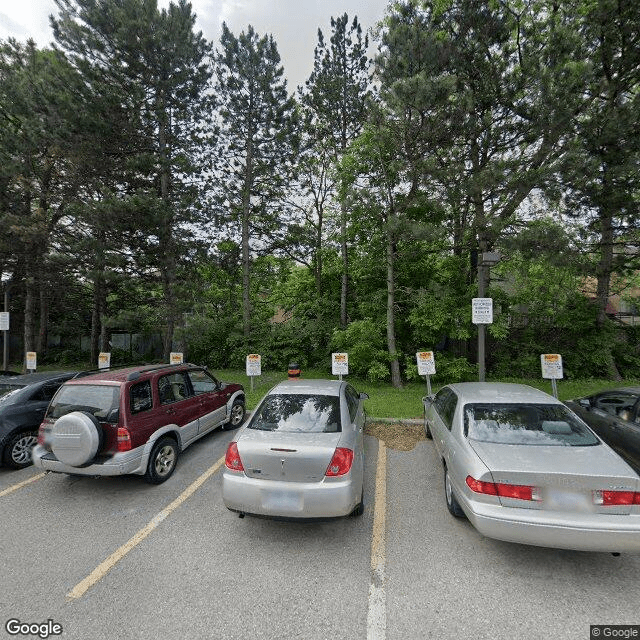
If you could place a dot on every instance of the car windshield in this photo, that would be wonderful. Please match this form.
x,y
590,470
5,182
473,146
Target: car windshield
x,y
298,413
530,424
99,400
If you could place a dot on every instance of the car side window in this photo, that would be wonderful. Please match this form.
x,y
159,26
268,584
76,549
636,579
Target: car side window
x,y
173,388
440,401
202,382
449,409
352,402
140,397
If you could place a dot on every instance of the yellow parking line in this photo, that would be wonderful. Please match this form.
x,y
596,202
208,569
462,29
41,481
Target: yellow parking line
x,y
15,487
102,569
377,610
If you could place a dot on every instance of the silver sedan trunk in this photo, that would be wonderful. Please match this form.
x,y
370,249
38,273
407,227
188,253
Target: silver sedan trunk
x,y
287,457
564,478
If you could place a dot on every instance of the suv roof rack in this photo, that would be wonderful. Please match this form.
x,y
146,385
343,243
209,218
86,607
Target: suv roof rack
x,y
134,374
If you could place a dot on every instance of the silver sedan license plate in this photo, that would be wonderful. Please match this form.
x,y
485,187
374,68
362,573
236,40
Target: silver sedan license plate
x,y
282,500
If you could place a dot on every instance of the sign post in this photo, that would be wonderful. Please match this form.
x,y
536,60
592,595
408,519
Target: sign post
x,y
254,366
4,326
426,367
104,360
552,369
481,315
339,364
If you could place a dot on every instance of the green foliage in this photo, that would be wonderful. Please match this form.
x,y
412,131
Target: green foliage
x,y
364,341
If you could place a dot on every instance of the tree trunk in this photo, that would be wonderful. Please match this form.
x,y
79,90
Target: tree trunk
x,y
603,272
42,342
318,265
345,265
246,250
396,380
29,313
167,243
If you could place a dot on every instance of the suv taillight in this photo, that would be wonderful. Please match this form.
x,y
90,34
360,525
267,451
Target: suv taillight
x,y
340,463
44,428
123,440
232,459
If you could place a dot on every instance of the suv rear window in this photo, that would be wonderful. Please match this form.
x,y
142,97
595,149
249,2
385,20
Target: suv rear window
x,y
99,400
532,424
298,413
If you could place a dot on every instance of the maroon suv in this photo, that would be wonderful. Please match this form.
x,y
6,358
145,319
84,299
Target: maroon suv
x,y
134,420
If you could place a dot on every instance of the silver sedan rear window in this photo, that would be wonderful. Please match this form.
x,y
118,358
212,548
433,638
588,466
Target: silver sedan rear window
x,y
533,424
298,413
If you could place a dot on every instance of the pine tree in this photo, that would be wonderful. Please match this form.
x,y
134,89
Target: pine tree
x,y
156,65
255,140
335,99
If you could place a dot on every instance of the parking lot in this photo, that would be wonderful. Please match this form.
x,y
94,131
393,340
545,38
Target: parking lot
x,y
117,558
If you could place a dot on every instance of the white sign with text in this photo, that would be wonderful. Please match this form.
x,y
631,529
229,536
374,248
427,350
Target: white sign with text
x,y
426,363
339,364
254,365
551,366
482,310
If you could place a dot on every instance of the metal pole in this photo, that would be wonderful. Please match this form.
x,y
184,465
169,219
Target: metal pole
x,y
481,327
428,384
554,388
5,356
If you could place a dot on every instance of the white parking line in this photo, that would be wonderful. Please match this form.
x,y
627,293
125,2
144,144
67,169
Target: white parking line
x,y
102,569
15,487
377,613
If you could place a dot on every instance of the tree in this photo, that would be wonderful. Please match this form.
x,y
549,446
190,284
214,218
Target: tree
x,y
156,65
492,89
254,143
38,173
600,170
335,99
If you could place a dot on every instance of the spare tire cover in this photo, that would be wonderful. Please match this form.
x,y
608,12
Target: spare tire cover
x,y
75,438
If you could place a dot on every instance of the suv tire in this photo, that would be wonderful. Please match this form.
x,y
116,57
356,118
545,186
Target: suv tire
x,y
237,416
76,438
162,461
17,453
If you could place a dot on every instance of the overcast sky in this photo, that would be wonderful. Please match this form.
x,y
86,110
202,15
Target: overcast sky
x,y
293,23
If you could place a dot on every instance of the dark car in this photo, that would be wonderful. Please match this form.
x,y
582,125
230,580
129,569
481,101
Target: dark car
x,y
134,421
23,403
614,415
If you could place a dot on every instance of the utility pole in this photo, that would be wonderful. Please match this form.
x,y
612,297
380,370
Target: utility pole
x,y
485,261
5,357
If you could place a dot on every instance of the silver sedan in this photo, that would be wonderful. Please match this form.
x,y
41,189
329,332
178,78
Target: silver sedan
x,y
301,455
524,468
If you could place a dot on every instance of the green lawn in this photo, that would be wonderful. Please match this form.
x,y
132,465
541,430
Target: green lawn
x,y
387,402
